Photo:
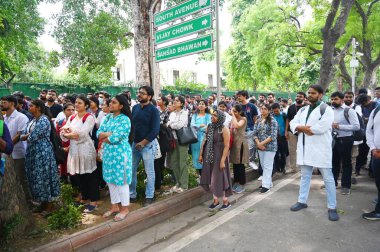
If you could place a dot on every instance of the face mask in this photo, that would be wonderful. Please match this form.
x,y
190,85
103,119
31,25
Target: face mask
x,y
100,100
335,105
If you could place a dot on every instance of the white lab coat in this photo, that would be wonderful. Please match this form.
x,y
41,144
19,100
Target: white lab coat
x,y
317,149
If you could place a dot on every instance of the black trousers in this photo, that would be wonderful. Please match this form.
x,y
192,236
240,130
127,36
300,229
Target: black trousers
x,y
239,173
281,154
159,166
362,157
342,160
89,186
99,171
376,173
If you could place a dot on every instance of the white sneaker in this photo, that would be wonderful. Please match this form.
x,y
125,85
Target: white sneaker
x,y
260,178
253,166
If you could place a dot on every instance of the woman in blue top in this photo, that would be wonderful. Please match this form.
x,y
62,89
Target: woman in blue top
x,y
265,137
200,119
40,164
117,155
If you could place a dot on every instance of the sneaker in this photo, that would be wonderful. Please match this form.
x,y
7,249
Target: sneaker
x,y
224,207
371,216
90,208
264,190
354,181
345,191
180,190
253,166
234,186
148,201
375,201
260,178
298,206
213,206
133,200
239,189
333,215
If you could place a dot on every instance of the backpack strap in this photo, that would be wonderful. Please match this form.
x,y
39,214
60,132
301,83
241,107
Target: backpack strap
x,y
346,115
322,109
1,128
83,118
376,110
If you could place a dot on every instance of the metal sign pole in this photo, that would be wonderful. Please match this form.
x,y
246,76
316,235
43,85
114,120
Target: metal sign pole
x,y
217,47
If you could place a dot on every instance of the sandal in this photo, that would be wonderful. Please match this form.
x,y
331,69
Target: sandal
x,y
120,217
90,208
109,213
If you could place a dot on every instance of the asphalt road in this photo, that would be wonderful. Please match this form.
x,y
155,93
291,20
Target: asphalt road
x,y
264,223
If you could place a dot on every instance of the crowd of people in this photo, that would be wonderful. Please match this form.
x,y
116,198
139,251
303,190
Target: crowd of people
x,y
97,141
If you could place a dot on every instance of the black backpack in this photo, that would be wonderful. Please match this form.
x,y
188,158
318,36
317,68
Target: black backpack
x,y
359,134
166,139
59,152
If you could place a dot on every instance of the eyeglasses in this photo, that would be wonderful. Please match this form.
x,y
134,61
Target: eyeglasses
x,y
141,93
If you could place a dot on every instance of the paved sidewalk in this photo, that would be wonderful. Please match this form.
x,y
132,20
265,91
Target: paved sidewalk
x,y
264,223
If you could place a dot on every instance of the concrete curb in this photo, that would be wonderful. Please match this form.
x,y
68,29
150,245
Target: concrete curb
x,y
110,232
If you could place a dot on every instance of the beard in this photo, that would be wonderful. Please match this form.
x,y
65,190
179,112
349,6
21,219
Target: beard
x,y
311,99
335,105
50,100
348,103
299,101
141,100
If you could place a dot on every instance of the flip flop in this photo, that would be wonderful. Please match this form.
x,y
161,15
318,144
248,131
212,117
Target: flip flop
x,y
120,217
109,213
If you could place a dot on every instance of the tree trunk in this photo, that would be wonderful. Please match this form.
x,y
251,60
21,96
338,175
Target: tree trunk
x,y
13,202
370,78
142,45
331,33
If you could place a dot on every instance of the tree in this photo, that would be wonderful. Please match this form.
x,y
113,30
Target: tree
x,y
331,32
20,25
367,33
91,34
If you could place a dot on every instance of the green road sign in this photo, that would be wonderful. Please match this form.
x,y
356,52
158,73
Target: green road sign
x,y
197,45
183,29
180,10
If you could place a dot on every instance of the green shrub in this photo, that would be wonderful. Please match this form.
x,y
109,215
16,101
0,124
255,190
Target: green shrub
x,y
67,215
10,226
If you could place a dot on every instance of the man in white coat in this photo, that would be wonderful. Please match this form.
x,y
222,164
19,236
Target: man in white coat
x,y
313,123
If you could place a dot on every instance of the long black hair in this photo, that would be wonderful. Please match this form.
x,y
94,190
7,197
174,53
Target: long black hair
x,y
123,100
239,109
207,110
268,119
41,105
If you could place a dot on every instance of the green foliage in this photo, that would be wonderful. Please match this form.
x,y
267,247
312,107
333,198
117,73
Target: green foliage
x,y
92,32
20,25
67,215
10,226
185,85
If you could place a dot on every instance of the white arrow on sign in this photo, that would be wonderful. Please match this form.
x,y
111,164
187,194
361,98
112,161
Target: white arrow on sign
x,y
204,43
202,2
204,22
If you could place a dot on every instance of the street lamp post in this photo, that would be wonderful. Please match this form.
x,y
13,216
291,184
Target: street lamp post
x,y
354,63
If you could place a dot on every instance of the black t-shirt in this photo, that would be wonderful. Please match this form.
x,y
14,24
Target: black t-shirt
x,y
55,110
292,111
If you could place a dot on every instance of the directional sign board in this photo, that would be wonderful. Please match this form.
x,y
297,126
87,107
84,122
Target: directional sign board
x,y
197,45
180,10
184,29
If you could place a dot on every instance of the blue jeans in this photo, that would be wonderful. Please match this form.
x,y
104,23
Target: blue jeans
x,y
328,178
266,161
147,155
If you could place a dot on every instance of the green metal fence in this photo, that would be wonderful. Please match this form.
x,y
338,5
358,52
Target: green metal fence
x,y
33,90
